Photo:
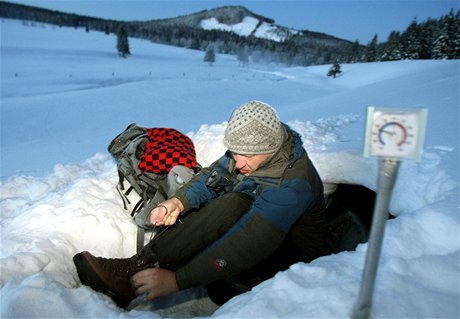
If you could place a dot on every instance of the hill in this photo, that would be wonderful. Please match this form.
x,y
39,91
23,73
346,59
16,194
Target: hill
x,y
229,29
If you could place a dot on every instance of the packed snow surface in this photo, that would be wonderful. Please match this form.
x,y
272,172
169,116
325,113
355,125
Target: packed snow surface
x,y
65,93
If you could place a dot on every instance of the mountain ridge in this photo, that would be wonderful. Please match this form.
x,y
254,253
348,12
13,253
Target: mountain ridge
x,y
225,14
228,15
229,29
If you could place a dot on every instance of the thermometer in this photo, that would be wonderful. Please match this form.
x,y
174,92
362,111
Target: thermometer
x,y
395,133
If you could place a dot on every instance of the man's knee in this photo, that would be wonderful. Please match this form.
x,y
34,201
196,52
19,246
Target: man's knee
x,y
235,200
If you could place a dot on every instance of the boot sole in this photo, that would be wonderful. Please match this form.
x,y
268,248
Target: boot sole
x,y
89,277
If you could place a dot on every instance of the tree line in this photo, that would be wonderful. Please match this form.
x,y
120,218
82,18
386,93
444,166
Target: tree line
x,y
432,39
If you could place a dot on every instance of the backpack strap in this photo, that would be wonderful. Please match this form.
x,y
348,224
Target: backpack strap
x,y
124,195
142,219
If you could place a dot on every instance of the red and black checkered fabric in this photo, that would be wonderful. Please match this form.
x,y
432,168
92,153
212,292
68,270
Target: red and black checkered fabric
x,y
165,149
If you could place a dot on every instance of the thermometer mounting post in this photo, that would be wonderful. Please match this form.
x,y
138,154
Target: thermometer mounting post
x,y
392,135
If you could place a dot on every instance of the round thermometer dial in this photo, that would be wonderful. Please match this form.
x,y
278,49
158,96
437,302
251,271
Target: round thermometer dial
x,y
394,132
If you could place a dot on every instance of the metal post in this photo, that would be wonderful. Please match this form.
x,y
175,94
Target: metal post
x,y
387,178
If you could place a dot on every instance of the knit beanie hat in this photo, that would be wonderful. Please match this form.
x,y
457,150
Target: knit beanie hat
x,y
254,128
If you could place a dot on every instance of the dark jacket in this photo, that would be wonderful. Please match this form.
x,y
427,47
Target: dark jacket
x,y
288,204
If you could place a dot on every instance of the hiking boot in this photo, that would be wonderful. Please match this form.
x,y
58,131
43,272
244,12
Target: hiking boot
x,y
111,276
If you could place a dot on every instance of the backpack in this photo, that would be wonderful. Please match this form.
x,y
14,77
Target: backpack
x,y
154,162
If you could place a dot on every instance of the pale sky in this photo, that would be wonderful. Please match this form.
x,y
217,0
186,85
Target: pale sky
x,y
347,19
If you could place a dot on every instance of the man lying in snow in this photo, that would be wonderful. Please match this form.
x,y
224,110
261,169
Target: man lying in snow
x,y
252,213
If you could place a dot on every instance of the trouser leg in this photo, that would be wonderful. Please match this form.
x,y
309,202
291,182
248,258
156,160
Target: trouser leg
x,y
223,290
178,244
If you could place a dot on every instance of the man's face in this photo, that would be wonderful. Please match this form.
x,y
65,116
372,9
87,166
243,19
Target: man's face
x,y
247,164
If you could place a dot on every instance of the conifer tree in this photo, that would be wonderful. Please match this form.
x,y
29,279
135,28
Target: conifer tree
x,y
456,37
355,52
122,42
426,34
334,70
210,56
411,41
392,49
371,50
447,42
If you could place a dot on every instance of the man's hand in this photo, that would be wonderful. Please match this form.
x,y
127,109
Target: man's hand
x,y
167,212
155,281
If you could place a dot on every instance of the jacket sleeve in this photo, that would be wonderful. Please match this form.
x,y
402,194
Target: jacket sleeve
x,y
196,193
256,235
